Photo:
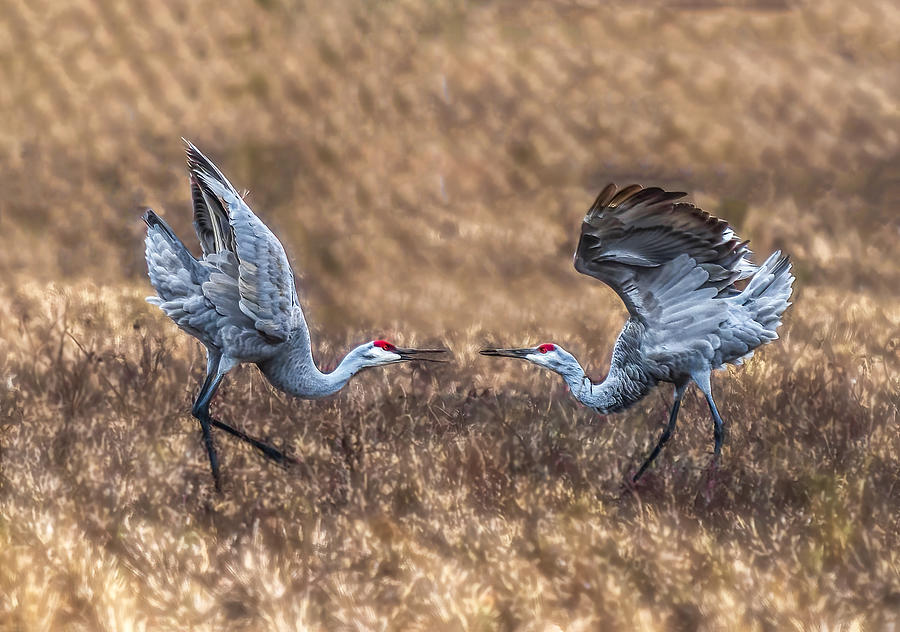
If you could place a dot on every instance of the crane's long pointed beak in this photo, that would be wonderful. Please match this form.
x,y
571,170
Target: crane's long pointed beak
x,y
508,353
423,355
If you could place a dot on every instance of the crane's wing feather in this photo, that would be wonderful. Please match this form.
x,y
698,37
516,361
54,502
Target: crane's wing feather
x,y
189,291
265,281
755,313
210,220
630,233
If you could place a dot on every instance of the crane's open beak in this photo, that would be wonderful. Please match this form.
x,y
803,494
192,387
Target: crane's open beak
x,y
422,355
508,353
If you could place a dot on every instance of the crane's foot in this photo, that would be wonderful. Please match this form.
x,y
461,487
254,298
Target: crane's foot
x,y
629,485
712,479
278,456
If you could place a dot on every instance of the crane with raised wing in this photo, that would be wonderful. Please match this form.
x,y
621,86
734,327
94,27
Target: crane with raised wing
x,y
678,270
239,299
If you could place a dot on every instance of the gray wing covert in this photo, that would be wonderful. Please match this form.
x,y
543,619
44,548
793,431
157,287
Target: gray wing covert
x,y
684,318
690,328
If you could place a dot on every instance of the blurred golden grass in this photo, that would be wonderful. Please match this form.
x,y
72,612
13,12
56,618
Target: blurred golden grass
x,y
427,165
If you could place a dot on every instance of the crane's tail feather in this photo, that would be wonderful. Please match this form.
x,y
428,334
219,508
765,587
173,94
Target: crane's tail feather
x,y
768,293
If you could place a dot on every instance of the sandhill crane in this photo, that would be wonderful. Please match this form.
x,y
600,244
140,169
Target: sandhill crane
x,y
240,301
675,267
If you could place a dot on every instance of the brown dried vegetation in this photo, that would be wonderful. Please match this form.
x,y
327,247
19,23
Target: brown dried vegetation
x,y
426,165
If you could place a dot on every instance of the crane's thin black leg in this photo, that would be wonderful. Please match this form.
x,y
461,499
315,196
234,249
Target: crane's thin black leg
x,y
719,429
666,434
718,425
201,412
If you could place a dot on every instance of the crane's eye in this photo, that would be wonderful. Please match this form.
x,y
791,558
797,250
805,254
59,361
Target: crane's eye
x,y
384,344
546,348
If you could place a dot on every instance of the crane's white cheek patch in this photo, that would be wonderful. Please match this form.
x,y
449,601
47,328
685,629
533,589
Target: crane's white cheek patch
x,y
385,357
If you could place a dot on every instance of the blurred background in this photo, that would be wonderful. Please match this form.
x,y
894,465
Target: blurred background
x,y
426,164
444,152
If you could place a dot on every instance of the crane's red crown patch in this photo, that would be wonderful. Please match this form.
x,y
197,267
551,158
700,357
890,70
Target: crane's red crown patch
x,y
544,348
384,344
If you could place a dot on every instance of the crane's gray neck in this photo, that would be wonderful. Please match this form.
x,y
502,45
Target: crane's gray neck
x,y
294,371
627,382
620,389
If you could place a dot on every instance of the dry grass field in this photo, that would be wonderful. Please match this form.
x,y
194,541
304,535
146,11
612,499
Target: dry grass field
x,y
427,164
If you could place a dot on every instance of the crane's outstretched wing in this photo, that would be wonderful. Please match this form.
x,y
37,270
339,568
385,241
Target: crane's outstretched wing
x,y
227,226
628,234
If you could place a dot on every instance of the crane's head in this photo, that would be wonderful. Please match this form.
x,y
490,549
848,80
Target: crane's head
x,y
380,352
548,355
